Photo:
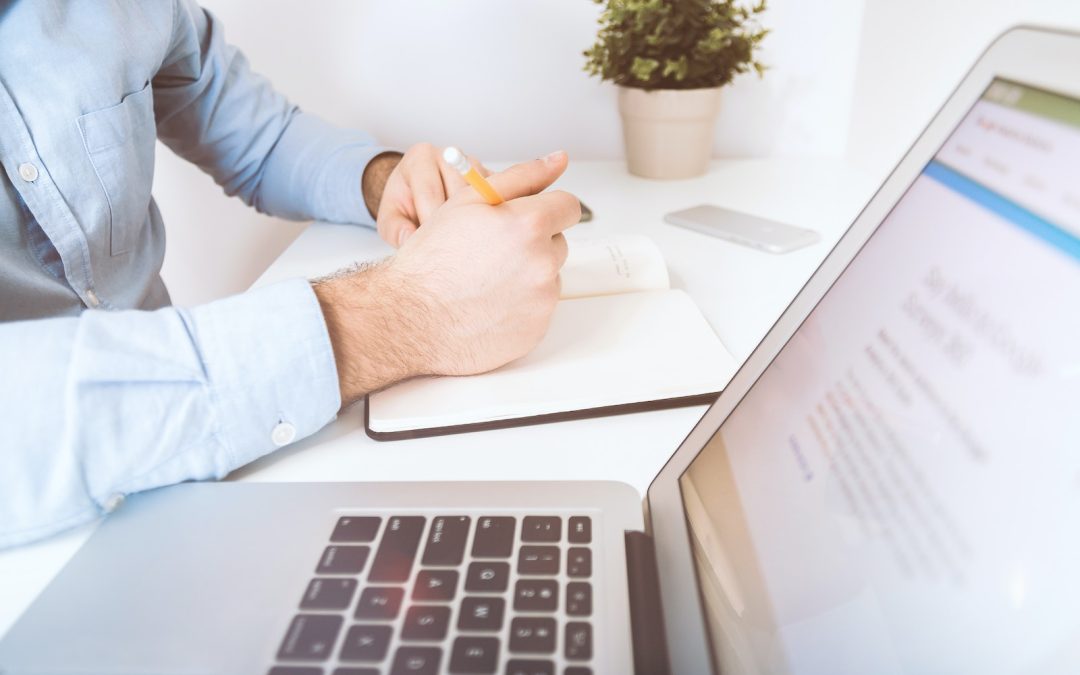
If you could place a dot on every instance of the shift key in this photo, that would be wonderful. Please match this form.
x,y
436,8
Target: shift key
x,y
397,550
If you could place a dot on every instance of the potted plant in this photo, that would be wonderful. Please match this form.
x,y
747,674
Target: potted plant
x,y
670,58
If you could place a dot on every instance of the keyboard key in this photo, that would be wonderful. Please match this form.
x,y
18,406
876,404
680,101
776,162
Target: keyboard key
x,y
474,655
538,560
578,562
356,529
416,661
529,667
481,613
366,643
394,559
310,637
426,622
435,585
578,641
532,635
295,670
356,671
328,594
379,603
577,670
541,528
494,537
446,540
536,595
578,598
580,530
343,560
487,577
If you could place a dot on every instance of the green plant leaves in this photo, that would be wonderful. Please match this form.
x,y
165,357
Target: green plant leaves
x,y
676,68
642,69
675,44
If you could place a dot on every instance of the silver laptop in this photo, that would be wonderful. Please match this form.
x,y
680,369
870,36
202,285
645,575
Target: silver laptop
x,y
890,484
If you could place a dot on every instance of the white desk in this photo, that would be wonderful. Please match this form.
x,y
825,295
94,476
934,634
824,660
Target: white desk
x,y
741,291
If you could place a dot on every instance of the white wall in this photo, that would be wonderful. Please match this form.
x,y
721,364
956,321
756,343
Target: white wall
x,y
501,78
913,54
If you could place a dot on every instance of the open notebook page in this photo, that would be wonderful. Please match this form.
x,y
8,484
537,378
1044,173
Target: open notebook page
x,y
624,263
602,351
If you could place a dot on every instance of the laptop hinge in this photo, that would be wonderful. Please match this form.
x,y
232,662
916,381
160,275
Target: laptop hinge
x,y
646,613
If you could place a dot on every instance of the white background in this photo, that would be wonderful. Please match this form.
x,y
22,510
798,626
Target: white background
x,y
850,78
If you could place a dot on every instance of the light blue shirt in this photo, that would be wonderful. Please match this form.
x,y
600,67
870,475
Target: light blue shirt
x,y
105,389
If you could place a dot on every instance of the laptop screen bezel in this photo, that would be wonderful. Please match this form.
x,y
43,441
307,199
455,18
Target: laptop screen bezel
x,y
1031,56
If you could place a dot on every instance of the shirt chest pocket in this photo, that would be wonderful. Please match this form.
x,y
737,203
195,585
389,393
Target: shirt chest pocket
x,y
120,142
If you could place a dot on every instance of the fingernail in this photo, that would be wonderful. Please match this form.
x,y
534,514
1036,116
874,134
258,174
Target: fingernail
x,y
554,157
402,237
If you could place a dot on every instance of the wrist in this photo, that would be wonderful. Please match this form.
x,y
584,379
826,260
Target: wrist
x,y
375,329
373,181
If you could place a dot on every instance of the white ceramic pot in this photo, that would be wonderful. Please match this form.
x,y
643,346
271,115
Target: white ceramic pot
x,y
668,132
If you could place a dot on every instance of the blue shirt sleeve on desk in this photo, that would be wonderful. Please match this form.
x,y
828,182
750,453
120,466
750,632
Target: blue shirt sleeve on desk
x,y
111,403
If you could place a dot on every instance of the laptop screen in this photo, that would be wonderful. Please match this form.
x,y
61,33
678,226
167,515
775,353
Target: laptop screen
x,y
900,490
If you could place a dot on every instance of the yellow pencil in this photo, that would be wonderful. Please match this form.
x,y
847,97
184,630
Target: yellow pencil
x,y
457,159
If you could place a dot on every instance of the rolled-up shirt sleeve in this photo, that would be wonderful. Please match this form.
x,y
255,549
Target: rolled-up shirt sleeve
x,y
111,403
214,111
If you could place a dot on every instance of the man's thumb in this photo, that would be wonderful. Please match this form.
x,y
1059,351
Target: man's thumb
x,y
529,178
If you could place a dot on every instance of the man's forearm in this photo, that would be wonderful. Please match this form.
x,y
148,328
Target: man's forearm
x,y
374,179
373,322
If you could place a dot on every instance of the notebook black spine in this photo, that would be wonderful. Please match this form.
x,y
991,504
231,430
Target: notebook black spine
x,y
603,411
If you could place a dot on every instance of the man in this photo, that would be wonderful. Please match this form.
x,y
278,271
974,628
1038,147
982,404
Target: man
x,y
105,390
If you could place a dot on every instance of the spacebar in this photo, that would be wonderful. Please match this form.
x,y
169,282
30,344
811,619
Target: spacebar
x,y
397,550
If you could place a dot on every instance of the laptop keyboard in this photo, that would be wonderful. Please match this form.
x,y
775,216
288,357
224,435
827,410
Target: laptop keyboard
x,y
409,595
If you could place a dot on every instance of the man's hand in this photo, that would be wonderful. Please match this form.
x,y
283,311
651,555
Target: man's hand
x,y
418,185
473,289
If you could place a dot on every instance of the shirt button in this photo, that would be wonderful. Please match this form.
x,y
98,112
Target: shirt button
x,y
113,502
28,172
283,434
92,298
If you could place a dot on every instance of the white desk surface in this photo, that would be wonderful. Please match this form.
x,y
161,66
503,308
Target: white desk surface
x,y
741,291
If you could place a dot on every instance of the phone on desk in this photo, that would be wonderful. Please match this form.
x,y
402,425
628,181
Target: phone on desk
x,y
743,228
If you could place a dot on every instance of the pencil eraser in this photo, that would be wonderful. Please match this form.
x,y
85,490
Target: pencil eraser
x,y
456,159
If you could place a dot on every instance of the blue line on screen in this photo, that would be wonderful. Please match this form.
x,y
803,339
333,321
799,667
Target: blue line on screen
x,y
1009,210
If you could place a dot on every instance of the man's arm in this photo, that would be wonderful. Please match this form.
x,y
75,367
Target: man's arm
x,y
111,403
214,111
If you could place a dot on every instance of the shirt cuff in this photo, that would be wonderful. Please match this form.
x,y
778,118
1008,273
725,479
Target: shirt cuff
x,y
315,169
270,366
343,194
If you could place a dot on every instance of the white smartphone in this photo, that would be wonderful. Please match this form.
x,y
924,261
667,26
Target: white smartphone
x,y
743,228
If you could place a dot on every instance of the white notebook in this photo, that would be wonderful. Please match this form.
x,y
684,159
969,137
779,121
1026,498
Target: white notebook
x,y
621,340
